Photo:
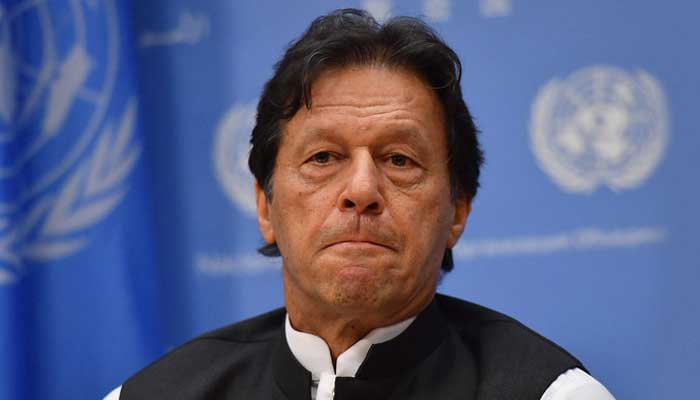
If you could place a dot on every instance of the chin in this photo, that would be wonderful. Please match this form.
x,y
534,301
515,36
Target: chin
x,y
355,300
357,289
362,283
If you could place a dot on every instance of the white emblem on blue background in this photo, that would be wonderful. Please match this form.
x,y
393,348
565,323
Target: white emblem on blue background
x,y
63,166
436,10
230,155
496,8
380,9
600,126
191,28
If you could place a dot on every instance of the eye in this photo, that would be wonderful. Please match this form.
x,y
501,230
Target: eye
x,y
399,160
322,157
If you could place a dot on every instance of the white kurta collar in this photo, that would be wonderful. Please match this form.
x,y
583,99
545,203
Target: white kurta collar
x,y
313,353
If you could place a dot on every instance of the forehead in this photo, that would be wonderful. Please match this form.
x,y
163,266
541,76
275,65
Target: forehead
x,y
370,85
370,98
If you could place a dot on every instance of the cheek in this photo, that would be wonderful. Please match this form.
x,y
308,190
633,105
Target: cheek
x,y
298,217
427,224
428,212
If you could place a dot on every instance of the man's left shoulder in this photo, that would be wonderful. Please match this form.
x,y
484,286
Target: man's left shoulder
x,y
513,360
487,327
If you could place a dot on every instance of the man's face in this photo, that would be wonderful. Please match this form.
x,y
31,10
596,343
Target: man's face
x,y
361,206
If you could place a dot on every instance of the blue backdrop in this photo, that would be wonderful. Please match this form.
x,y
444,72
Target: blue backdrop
x,y
126,211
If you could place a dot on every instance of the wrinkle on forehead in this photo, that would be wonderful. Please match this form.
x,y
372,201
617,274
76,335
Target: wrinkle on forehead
x,y
362,100
327,117
388,109
369,98
387,122
336,88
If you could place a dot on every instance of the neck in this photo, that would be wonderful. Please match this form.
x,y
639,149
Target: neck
x,y
341,326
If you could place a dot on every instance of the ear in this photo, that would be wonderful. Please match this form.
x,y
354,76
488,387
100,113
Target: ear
x,y
264,221
463,207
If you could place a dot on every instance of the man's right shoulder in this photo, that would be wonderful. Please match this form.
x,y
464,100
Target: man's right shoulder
x,y
239,350
261,328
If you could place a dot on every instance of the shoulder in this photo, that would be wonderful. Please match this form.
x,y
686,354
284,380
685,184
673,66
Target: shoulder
x,y
242,337
513,360
233,350
262,328
483,326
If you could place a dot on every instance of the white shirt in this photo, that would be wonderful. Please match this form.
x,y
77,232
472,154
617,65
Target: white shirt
x,y
313,354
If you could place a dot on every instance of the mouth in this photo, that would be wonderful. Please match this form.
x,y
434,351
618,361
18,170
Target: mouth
x,y
359,245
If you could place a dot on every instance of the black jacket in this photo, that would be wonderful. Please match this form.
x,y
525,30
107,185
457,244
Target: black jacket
x,y
453,350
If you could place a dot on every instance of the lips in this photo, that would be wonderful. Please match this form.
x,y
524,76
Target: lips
x,y
358,244
351,234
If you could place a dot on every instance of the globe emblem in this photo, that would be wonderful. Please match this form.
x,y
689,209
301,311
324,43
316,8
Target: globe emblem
x,y
230,156
600,126
58,64
59,77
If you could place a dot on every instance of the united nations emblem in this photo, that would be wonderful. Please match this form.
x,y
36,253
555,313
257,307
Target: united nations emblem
x,y
230,155
66,153
600,126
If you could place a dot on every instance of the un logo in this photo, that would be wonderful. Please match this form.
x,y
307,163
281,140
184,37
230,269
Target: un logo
x,y
600,126
64,163
230,155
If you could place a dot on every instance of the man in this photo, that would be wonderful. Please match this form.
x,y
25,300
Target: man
x,y
366,160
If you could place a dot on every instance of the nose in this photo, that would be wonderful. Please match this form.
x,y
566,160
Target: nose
x,y
361,193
